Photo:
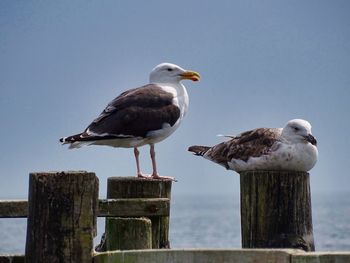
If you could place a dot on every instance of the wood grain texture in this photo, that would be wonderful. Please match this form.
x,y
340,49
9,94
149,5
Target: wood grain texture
x,y
128,233
13,208
276,210
133,187
134,207
62,217
106,207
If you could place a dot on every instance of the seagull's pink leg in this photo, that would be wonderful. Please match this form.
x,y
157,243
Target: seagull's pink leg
x,y
155,174
137,154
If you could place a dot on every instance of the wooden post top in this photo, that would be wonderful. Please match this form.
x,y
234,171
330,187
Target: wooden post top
x,y
62,173
134,187
136,179
274,172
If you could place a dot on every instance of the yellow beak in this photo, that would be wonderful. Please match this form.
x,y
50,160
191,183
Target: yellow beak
x,y
192,75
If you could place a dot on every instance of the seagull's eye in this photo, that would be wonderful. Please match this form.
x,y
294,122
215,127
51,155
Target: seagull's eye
x,y
169,69
296,128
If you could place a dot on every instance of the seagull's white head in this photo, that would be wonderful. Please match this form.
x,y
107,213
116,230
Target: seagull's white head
x,y
298,130
171,73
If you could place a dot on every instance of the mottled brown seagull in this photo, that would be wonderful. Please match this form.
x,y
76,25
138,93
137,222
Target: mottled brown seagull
x,y
291,148
140,116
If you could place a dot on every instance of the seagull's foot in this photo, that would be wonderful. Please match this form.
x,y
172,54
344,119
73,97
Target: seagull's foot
x,y
145,176
157,176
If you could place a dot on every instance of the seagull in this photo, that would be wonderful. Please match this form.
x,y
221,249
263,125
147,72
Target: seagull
x,y
140,116
291,148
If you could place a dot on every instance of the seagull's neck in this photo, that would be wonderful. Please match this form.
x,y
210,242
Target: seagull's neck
x,y
180,88
180,94
287,139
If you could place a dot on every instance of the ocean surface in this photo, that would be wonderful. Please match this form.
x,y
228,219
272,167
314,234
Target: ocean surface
x,y
214,222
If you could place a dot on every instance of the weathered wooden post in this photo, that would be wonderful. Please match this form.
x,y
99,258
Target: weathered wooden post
x,y
132,187
276,210
62,217
125,233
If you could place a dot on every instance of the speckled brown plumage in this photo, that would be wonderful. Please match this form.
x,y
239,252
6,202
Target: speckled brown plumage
x,y
248,144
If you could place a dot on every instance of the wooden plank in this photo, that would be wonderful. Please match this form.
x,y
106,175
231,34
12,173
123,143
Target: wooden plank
x,y
199,255
210,255
107,207
13,208
134,207
321,257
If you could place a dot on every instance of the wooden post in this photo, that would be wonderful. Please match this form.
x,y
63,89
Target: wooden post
x,y
128,233
62,217
276,210
133,187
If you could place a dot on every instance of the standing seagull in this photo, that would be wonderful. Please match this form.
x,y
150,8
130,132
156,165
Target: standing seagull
x,y
140,116
291,148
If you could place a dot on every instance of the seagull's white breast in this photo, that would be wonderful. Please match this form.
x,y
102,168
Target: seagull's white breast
x,y
180,100
291,157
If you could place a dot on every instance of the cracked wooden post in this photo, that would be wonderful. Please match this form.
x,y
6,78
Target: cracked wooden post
x,y
62,217
276,210
133,187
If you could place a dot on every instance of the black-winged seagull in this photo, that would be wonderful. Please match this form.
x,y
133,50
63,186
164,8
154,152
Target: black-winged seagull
x,y
140,116
291,148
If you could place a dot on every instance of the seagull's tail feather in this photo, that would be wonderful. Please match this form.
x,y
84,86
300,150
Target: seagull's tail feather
x,y
71,139
75,141
198,150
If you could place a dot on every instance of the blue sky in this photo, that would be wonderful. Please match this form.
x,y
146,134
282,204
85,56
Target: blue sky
x,y
262,64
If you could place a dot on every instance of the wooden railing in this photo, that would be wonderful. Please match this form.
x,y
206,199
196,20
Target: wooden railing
x,y
106,207
63,206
